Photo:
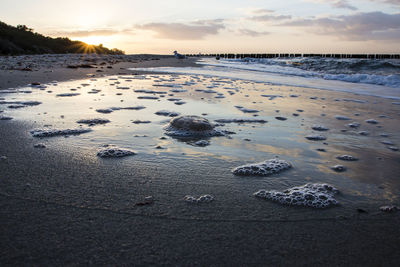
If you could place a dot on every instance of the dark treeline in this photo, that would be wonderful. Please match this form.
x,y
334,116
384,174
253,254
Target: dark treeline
x,y
22,40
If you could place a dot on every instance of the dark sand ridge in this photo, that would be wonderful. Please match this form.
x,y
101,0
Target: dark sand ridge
x,y
42,230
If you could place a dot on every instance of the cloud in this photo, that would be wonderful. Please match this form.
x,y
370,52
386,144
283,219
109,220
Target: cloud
x,y
343,4
357,27
393,2
208,22
262,11
266,18
85,33
252,33
336,3
179,31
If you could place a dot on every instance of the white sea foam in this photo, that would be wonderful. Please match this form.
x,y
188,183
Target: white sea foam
x,y
309,195
241,121
94,121
281,73
264,168
201,199
115,152
167,113
67,94
315,137
56,132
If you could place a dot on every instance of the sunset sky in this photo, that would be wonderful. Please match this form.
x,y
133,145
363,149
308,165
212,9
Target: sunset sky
x,y
150,26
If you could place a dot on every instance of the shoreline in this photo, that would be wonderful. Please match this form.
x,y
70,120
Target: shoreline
x,y
62,205
46,72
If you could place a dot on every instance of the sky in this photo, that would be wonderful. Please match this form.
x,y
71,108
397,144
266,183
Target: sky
x,y
252,26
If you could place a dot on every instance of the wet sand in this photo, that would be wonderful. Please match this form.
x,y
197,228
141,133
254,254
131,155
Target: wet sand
x,y
48,68
62,205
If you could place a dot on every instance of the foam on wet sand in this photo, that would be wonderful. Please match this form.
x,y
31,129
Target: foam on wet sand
x,y
167,113
200,199
57,132
308,195
94,121
315,137
115,152
264,168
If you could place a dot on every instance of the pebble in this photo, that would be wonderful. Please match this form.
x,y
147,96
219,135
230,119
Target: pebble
x,y
319,128
389,208
281,118
338,168
347,158
371,121
315,137
40,145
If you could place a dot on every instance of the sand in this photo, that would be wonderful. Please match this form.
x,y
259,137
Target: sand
x,y
55,68
63,205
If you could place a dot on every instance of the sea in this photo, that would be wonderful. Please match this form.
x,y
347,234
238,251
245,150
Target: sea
x,y
380,77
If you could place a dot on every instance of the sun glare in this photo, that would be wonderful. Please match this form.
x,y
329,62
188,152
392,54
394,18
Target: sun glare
x,y
95,40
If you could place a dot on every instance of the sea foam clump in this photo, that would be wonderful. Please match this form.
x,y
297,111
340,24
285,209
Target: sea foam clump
x,y
104,110
319,128
316,137
309,195
56,132
247,110
25,103
240,121
347,158
67,94
191,126
201,199
167,113
94,121
202,143
342,118
115,152
264,168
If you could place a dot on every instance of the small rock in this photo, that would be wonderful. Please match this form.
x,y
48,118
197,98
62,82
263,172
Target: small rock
x,y
281,118
347,158
315,137
339,168
40,145
202,143
371,121
390,208
362,210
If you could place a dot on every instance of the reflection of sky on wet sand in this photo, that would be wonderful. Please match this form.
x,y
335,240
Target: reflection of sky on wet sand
x,y
250,143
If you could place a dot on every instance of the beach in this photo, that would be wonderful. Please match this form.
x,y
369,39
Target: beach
x,y
63,204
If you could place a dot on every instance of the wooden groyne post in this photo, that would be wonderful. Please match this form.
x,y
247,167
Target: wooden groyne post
x,y
292,55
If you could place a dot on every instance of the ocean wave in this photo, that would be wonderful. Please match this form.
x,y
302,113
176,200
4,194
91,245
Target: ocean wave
x,y
389,80
377,72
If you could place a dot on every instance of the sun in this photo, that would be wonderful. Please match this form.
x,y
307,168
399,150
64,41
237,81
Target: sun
x,y
95,39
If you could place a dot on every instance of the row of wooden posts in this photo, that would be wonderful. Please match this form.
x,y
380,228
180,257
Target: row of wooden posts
x,y
288,55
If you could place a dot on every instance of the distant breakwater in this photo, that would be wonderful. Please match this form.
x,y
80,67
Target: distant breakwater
x,y
289,55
